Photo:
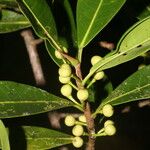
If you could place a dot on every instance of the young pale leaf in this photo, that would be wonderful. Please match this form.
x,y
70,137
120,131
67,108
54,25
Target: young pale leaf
x,y
117,59
38,138
41,18
93,16
4,140
136,87
17,100
136,36
125,56
135,42
12,21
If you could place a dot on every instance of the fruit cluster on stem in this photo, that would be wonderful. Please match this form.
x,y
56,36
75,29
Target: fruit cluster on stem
x,y
66,75
77,129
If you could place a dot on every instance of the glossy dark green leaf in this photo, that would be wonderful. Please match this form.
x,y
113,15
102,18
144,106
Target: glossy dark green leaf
x,y
12,21
63,40
69,12
18,100
41,18
93,16
4,139
38,138
136,87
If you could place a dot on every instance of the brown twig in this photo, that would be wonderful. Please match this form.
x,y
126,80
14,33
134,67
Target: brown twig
x,y
31,45
89,119
107,45
144,103
90,127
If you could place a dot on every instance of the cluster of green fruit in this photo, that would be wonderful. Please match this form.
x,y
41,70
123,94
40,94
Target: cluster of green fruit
x,y
100,74
65,75
108,129
77,129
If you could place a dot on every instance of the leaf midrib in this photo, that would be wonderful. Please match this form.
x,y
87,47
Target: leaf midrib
x,y
90,25
29,138
137,89
34,101
109,59
142,42
16,22
47,34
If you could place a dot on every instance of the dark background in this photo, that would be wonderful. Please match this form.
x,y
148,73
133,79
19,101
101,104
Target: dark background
x,y
133,127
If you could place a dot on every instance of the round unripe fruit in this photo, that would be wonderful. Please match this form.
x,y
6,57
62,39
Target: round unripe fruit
x,y
107,110
95,59
58,54
110,129
64,70
108,122
77,142
82,94
99,75
66,90
77,130
82,118
70,121
64,80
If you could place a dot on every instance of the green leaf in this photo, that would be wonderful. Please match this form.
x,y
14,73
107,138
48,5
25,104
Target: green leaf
x,y
136,87
12,21
69,12
66,26
137,35
93,16
64,40
41,18
51,52
134,43
145,13
17,100
38,138
4,140
117,59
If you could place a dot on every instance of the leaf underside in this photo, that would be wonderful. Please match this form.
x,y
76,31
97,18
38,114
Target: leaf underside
x,y
134,43
18,100
39,14
134,88
38,138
